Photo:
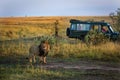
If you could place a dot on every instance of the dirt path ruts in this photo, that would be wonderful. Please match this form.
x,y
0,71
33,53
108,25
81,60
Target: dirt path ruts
x,y
80,65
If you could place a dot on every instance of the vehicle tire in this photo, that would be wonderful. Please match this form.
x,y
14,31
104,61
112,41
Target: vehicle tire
x,y
68,31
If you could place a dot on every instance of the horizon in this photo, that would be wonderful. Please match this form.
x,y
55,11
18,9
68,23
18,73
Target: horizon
x,y
49,16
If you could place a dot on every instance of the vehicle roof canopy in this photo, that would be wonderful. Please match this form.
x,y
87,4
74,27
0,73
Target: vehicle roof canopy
x,y
74,21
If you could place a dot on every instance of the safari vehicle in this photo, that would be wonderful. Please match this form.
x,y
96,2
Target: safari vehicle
x,y
79,29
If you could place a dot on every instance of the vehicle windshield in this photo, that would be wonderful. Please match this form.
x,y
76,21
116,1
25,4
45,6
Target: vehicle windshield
x,y
111,29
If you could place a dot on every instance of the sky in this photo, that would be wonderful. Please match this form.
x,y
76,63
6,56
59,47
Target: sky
x,y
58,7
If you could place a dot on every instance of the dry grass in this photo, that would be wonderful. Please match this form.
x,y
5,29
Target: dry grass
x,y
13,53
17,27
107,51
25,27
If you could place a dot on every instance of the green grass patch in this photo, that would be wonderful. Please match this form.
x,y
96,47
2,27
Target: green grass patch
x,y
17,68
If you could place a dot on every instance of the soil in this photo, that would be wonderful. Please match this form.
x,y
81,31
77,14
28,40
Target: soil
x,y
71,63
83,68
80,64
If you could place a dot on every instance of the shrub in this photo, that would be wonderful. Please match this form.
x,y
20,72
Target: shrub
x,y
95,38
50,39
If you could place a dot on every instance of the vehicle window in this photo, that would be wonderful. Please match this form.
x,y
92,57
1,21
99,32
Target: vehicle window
x,y
96,27
83,27
73,26
104,29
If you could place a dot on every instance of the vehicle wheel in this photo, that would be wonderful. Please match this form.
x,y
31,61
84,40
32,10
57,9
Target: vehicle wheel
x,y
68,32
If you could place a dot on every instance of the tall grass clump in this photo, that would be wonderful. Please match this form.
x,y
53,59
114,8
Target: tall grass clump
x,y
14,48
21,46
66,49
107,51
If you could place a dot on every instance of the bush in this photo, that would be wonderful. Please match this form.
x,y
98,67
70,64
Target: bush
x,y
95,38
50,39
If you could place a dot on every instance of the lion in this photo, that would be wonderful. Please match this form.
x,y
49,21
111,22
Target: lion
x,y
39,50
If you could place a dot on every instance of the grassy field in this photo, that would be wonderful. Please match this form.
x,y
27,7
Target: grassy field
x,y
24,27
17,34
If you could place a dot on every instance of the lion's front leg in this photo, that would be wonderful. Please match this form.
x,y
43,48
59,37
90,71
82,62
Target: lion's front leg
x,y
30,60
44,60
40,59
34,59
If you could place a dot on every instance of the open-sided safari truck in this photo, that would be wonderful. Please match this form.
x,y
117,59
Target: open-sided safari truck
x,y
79,29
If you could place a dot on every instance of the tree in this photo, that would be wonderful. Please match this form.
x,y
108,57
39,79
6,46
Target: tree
x,y
115,17
112,16
118,19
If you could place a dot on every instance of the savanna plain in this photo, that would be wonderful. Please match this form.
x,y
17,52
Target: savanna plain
x,y
68,59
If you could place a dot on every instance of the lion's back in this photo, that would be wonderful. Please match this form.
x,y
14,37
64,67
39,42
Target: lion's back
x,y
34,49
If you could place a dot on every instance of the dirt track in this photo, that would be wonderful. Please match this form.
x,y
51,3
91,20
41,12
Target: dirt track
x,y
81,65
74,68
56,63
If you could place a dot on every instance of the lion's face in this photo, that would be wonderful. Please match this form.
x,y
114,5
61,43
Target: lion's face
x,y
44,46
